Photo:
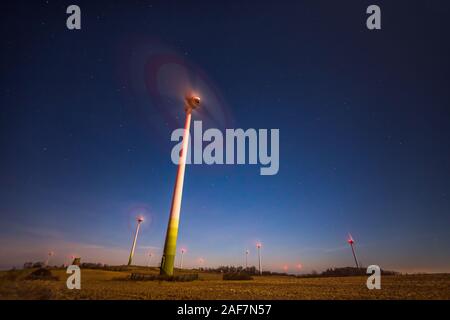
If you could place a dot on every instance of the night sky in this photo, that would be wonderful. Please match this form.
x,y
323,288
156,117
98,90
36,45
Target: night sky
x,y
363,115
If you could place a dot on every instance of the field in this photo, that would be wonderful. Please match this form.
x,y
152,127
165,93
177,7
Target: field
x,y
102,284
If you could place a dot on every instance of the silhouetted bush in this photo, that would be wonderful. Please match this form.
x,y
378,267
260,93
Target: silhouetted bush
x,y
250,270
157,277
237,276
38,265
343,272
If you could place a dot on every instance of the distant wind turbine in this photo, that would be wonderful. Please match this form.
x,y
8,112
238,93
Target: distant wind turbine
x,y
351,242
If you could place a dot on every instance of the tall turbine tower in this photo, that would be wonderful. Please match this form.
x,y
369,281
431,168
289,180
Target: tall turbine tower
x,y
50,254
258,246
246,259
351,242
201,262
170,245
139,221
149,257
181,261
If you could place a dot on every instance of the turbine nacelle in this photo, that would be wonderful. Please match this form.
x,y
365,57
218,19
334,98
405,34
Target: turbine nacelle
x,y
192,103
350,239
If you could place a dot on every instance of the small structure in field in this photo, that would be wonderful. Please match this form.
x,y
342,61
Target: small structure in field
x,y
41,274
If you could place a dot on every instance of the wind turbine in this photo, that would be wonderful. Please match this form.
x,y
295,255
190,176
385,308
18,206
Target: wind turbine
x,y
258,246
49,255
351,242
181,261
246,259
139,220
148,260
170,245
201,261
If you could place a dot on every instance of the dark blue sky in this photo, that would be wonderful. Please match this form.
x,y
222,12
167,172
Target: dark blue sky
x,y
363,118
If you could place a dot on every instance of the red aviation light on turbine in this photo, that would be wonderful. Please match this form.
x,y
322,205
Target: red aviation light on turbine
x,y
350,239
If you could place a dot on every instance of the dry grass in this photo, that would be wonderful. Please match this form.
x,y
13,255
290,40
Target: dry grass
x,y
100,284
